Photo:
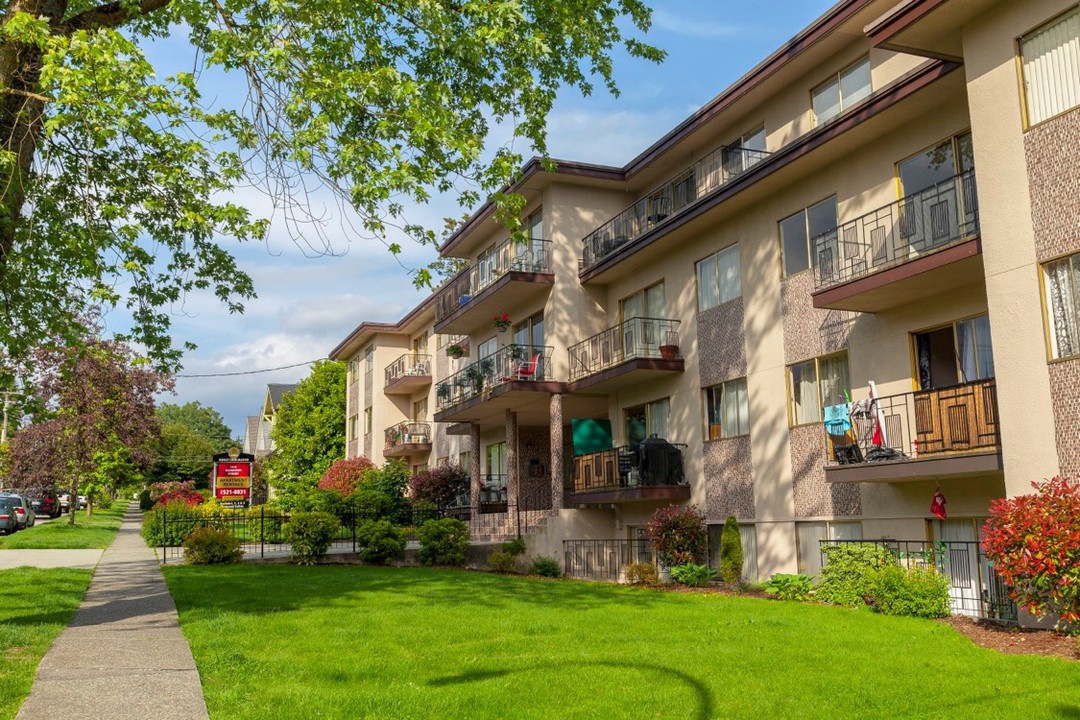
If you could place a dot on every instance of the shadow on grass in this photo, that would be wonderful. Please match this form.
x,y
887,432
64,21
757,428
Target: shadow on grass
x,y
703,696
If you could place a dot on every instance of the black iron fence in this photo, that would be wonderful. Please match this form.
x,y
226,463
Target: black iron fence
x,y
604,559
513,363
923,222
974,588
654,338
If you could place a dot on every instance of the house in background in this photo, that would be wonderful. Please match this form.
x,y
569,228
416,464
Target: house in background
x,y
843,289
263,442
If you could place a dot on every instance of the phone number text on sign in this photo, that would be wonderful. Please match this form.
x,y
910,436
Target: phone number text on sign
x,y
232,492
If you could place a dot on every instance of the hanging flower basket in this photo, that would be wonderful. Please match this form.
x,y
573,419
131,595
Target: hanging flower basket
x,y
501,322
457,350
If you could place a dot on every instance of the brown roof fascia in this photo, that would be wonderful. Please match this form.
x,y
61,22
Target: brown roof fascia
x,y
911,83
899,18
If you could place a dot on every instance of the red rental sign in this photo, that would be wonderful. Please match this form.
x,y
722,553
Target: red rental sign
x,y
234,469
233,493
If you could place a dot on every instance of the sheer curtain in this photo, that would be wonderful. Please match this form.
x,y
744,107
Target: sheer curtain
x,y
1062,289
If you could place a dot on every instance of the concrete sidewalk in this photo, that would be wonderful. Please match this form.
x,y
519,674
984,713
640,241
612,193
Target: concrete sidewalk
x,y
123,656
78,559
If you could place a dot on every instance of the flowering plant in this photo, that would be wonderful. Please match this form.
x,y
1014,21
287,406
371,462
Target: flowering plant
x,y
501,321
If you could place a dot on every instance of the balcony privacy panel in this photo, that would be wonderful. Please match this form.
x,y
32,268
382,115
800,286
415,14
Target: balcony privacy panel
x,y
590,436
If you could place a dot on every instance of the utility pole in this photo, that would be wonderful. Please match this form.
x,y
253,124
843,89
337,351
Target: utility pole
x,y
7,402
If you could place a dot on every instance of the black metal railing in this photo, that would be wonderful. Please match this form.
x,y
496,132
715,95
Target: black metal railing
x,y
528,363
961,418
604,559
629,340
926,221
407,433
668,200
652,463
974,588
408,365
531,256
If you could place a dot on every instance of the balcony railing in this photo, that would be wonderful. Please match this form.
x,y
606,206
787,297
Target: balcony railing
x,y
408,365
712,172
652,463
533,256
407,433
957,419
933,219
629,340
528,363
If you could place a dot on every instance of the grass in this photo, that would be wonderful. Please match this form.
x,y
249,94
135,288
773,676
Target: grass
x,y
95,531
35,605
368,642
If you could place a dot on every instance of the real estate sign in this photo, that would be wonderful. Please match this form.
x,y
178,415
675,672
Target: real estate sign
x,y
232,478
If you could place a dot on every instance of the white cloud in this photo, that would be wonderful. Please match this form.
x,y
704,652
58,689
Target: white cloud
x,y
681,23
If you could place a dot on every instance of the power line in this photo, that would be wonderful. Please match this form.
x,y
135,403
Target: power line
x,y
251,372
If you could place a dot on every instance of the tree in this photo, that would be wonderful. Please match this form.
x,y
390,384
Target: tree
x,y
115,178
183,454
205,421
731,555
309,430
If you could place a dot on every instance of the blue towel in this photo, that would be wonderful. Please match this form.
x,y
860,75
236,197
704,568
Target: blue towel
x,y
837,421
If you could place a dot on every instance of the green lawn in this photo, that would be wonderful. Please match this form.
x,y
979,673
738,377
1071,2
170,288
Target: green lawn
x,y
95,531
35,605
365,642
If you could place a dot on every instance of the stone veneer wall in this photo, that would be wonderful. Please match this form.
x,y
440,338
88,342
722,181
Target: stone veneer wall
x,y
534,455
729,479
722,343
813,496
1052,151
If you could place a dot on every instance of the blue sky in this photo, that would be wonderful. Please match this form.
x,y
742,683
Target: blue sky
x,y
306,305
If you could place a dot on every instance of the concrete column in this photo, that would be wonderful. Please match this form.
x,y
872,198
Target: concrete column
x,y
511,458
474,467
556,452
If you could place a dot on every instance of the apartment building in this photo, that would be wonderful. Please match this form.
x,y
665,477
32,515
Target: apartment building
x,y
841,294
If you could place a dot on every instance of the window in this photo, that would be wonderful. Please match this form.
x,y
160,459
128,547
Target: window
x,y
1062,281
726,410
744,152
719,278
841,91
935,165
367,421
796,232
641,336
354,369
369,359
748,539
419,410
1050,64
354,422
420,344
957,353
643,421
487,348
496,463
816,384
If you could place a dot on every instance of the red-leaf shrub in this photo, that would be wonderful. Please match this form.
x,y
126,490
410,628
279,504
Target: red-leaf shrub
x,y
160,488
1034,543
679,535
191,497
345,475
439,485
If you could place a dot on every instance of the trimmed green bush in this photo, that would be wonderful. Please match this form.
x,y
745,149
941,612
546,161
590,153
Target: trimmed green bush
x,y
731,556
789,587
170,524
443,542
379,541
207,546
370,503
145,501
693,575
546,566
501,561
310,534
641,573
917,592
264,523
846,576
514,547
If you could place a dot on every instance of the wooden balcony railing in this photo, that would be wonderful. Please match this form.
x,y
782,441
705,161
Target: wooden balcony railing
x,y
652,463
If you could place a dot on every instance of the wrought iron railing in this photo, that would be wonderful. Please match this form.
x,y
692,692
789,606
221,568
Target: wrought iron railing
x,y
406,365
527,363
974,588
407,433
629,340
961,418
652,463
930,220
533,256
604,559
661,204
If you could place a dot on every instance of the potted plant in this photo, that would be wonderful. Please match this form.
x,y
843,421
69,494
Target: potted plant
x,y
501,322
475,377
442,391
670,349
456,350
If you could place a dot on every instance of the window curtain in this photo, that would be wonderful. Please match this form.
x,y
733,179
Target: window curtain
x,y
658,417
835,384
708,291
728,267
735,421
807,406
1061,287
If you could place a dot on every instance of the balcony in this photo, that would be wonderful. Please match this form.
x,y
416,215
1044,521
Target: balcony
x,y
924,435
508,379
652,470
632,352
407,438
707,175
407,374
510,275
920,245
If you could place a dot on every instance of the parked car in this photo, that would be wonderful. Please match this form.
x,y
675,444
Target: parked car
x,y
47,503
24,511
8,521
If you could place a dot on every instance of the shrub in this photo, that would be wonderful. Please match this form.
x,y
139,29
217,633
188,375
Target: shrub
x,y
312,500
916,592
1032,542
731,559
392,479
514,547
545,566
370,503
501,561
439,486
640,573
160,488
789,587
104,502
344,475
207,546
693,575
310,534
846,577
379,541
679,535
145,502
264,524
443,542
170,524
190,497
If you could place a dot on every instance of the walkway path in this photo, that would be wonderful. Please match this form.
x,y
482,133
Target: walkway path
x,y
123,656
78,559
